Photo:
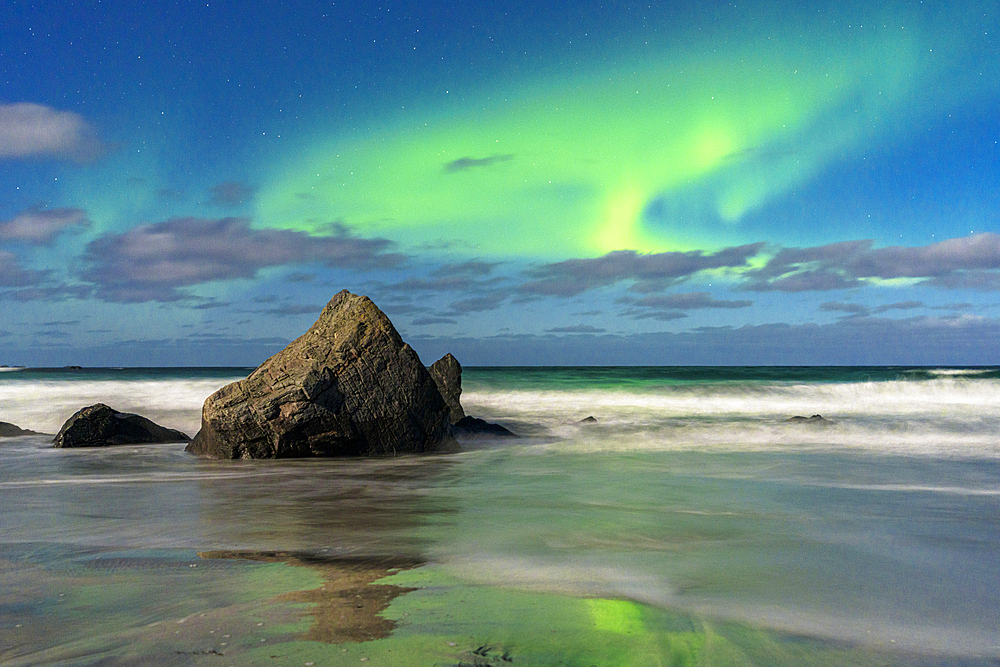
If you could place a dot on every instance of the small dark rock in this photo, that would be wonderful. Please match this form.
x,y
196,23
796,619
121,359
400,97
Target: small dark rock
x,y
99,426
447,374
8,430
475,426
815,419
588,420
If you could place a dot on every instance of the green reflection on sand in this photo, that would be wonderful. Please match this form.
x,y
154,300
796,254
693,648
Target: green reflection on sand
x,y
448,622
234,608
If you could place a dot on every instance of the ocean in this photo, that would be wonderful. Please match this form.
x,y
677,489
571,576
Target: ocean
x,y
691,524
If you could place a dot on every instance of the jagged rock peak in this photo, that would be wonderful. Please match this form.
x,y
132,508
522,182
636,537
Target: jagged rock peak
x,y
349,386
447,374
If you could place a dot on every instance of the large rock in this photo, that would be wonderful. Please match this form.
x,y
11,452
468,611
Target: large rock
x,y
349,386
100,426
447,374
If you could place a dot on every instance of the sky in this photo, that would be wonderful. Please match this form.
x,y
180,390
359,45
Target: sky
x,y
518,183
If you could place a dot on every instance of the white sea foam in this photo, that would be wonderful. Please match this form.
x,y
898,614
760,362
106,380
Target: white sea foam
x,y
956,372
44,405
869,398
949,416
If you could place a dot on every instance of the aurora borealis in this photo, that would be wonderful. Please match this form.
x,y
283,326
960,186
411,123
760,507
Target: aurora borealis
x,y
560,183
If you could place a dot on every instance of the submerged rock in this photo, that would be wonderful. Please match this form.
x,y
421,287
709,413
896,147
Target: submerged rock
x,y
814,419
100,426
447,374
476,426
8,430
349,386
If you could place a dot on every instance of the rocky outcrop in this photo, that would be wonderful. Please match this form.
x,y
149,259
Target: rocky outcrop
x,y
349,386
8,430
99,426
473,426
814,419
447,374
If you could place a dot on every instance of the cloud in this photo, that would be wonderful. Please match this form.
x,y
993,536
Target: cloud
x,y
151,262
466,163
477,304
41,226
852,309
33,130
12,275
54,334
666,307
471,268
964,262
450,283
983,281
807,281
211,304
660,315
284,311
51,294
688,301
230,193
649,271
975,252
808,269
422,321
576,329
464,277
902,305
858,310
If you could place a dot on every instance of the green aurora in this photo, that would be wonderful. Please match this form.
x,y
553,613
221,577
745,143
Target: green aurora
x,y
565,167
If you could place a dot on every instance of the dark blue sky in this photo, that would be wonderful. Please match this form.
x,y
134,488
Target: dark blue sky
x,y
187,183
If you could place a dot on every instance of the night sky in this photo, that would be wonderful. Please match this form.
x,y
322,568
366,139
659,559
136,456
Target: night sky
x,y
698,182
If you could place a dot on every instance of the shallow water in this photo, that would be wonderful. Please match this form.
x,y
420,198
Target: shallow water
x,y
691,508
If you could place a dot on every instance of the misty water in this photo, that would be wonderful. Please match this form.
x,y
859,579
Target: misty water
x,y
690,525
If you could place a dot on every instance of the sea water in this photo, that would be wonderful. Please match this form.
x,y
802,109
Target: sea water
x,y
870,537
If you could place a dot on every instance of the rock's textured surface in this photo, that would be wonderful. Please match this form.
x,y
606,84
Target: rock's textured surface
x,y
100,426
447,374
8,430
349,386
